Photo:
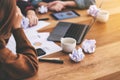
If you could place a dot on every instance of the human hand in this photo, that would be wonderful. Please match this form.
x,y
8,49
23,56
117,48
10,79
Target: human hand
x,y
33,19
17,19
42,4
56,6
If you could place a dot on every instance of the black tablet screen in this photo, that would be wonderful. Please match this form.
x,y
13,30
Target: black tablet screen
x,y
65,15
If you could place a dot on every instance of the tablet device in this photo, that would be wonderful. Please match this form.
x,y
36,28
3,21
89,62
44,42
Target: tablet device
x,y
65,14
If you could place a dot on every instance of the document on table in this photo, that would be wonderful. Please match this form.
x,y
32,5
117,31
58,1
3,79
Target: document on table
x,y
25,24
40,25
38,40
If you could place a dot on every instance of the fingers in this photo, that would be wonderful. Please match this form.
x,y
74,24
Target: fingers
x,y
52,3
33,19
59,8
56,6
18,11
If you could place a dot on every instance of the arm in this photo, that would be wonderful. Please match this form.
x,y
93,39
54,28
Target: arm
x,y
60,5
24,63
29,11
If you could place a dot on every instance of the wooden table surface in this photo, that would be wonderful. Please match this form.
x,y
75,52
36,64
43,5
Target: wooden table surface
x,y
103,64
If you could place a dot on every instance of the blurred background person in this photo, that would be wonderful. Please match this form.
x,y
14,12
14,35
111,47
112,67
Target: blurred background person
x,y
59,5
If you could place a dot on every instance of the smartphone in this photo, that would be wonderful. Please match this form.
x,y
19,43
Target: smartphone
x,y
40,52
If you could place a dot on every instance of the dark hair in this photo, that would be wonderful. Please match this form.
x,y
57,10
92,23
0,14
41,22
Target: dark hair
x,y
7,14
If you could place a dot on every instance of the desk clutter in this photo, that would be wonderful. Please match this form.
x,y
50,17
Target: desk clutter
x,y
38,40
77,55
42,9
100,15
44,47
51,60
88,46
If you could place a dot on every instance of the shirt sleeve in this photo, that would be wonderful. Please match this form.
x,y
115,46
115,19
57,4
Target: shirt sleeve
x,y
35,2
24,6
84,4
24,63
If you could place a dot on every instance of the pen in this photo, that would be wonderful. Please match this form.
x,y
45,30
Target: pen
x,y
51,60
43,19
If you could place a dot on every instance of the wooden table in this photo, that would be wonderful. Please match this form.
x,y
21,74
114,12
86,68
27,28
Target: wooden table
x,y
104,64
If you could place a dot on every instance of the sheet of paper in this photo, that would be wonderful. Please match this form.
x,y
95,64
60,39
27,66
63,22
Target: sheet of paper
x,y
38,40
11,44
40,25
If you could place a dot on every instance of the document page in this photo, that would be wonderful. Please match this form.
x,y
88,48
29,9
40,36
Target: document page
x,y
38,40
40,25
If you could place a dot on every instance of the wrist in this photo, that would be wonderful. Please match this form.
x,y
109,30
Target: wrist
x,y
30,12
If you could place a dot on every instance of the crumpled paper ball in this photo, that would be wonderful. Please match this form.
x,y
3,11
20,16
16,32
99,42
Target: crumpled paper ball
x,y
42,9
77,55
93,10
89,46
25,22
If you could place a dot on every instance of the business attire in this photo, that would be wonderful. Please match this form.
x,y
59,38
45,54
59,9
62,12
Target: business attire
x,y
20,65
81,4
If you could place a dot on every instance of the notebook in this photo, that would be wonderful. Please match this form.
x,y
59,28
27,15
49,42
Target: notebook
x,y
68,29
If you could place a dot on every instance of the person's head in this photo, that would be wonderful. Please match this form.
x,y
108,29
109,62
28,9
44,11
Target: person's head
x,y
7,14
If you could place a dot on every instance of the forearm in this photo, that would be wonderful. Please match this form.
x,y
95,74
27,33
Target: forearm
x,y
17,66
24,63
33,19
70,4
42,3
27,54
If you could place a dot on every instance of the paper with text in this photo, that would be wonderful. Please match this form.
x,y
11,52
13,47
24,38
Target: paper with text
x,y
40,25
38,40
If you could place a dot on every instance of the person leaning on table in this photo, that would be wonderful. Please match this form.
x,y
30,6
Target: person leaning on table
x,y
29,11
24,63
59,5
